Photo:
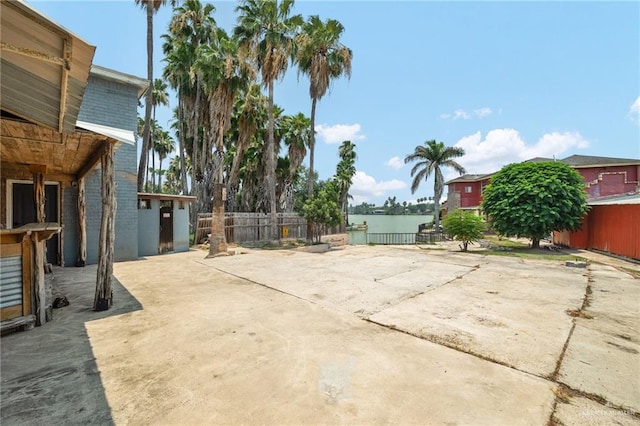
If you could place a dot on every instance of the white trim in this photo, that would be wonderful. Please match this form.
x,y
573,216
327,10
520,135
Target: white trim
x,y
121,135
10,182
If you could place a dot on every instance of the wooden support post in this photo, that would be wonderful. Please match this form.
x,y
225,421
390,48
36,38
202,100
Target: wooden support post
x,y
38,279
38,191
82,224
103,296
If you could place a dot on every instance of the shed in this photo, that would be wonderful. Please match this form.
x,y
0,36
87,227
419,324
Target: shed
x,y
163,223
611,226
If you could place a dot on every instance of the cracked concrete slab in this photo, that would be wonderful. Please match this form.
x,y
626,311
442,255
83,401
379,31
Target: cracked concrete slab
x,y
603,355
271,337
508,310
580,411
361,280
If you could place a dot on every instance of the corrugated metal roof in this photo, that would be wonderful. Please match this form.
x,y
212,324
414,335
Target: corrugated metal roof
x,y
470,178
45,68
121,135
616,199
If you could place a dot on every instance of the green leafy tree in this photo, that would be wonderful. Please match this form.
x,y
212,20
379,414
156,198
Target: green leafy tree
x,y
431,157
533,199
463,226
323,210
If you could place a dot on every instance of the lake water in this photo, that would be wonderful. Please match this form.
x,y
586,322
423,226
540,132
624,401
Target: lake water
x,y
385,223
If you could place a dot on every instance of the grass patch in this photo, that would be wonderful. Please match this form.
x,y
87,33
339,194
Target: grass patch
x,y
494,241
528,253
634,272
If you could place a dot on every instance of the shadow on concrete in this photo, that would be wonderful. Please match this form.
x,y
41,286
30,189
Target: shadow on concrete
x,y
49,374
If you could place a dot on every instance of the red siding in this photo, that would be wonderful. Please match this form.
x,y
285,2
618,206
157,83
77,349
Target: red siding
x,y
468,199
604,181
614,229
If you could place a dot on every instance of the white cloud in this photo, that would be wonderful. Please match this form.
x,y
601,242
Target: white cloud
x,y
461,114
482,112
365,187
395,163
503,146
339,133
634,111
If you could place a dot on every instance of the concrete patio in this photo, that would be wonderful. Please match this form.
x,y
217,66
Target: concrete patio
x,y
360,335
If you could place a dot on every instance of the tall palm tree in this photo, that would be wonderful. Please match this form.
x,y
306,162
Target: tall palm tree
x,y
431,157
225,73
296,134
160,96
151,7
322,57
266,34
163,147
345,172
191,27
249,122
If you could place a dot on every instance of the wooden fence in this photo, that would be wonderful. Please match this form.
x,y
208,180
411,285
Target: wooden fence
x,y
254,227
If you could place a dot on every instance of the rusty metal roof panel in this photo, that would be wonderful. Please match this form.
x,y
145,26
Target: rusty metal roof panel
x,y
45,67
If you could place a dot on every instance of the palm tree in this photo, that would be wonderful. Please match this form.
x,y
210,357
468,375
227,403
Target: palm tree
x,y
164,146
430,158
322,57
265,31
345,172
296,134
151,7
191,26
248,122
224,73
160,96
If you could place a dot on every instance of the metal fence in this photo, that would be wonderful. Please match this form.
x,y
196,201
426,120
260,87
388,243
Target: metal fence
x,y
401,238
254,227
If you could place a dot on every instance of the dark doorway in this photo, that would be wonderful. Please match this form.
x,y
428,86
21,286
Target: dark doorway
x,y
166,227
24,212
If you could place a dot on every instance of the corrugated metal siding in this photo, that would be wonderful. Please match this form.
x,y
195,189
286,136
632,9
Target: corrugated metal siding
x,y
31,88
615,229
10,281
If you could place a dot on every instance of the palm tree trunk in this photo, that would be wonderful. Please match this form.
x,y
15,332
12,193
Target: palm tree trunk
x,y
183,163
271,169
147,108
436,211
312,147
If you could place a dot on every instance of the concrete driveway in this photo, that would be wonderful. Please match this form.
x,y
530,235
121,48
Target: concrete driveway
x,y
361,335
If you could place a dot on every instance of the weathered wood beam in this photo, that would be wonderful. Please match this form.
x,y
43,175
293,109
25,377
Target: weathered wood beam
x,y
38,280
38,191
66,52
82,224
103,296
21,171
32,54
93,160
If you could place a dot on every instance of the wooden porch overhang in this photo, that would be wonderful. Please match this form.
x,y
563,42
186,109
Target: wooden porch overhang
x,y
65,157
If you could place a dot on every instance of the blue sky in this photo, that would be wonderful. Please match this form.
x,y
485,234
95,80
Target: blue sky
x,y
506,81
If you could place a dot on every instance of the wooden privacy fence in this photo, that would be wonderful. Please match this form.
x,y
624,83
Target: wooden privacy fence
x,y
253,227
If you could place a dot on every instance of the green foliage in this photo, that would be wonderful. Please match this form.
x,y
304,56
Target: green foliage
x,y
533,199
324,209
463,226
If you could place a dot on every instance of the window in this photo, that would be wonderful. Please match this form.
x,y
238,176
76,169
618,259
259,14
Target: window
x,y
144,204
166,203
468,189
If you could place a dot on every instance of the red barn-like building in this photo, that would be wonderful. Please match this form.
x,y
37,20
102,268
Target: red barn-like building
x,y
611,226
